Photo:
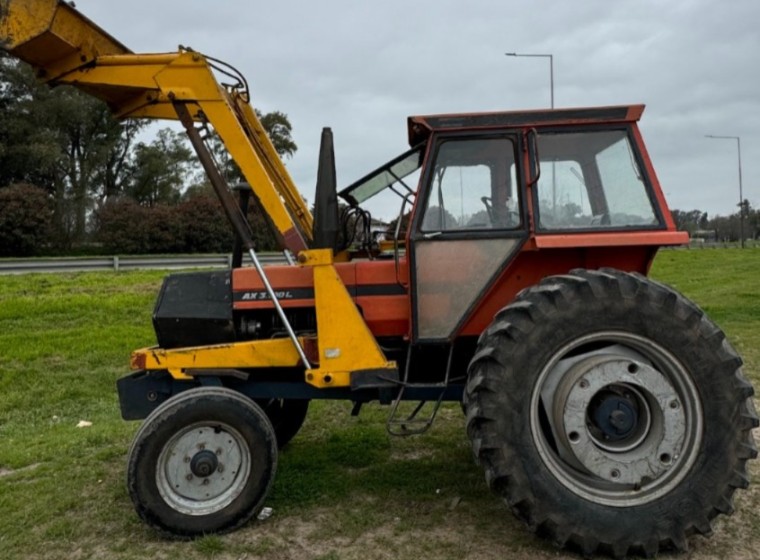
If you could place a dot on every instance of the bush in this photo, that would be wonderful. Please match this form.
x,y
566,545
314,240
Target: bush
x,y
204,225
26,214
163,230
120,227
207,229
196,225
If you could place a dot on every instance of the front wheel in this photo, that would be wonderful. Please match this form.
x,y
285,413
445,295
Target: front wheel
x,y
202,462
610,413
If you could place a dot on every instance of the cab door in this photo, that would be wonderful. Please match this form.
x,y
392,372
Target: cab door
x,y
469,222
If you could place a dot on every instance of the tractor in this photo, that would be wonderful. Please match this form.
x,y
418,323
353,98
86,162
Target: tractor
x,y
606,409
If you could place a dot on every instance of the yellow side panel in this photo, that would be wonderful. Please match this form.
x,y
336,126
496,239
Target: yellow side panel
x,y
278,352
345,342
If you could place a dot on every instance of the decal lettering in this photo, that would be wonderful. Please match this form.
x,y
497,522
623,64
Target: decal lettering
x,y
260,296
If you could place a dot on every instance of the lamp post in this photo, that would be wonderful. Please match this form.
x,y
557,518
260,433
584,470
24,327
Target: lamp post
x,y
551,91
741,194
551,69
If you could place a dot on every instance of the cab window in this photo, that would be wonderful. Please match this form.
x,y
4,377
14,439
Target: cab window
x,y
472,186
591,180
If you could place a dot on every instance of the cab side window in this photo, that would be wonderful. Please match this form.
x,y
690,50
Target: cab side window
x,y
473,186
591,180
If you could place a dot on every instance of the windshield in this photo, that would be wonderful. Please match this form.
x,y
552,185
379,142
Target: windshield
x,y
385,177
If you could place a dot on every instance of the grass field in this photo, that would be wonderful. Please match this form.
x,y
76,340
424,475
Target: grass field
x,y
344,488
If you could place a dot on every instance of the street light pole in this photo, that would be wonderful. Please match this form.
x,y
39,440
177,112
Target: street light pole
x,y
551,69
741,193
551,92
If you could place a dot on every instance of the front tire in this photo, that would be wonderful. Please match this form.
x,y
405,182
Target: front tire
x,y
610,413
202,462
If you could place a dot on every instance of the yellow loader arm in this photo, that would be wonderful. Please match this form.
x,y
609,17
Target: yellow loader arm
x,y
65,47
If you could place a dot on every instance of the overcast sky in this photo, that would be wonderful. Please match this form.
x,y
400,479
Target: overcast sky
x,y
363,67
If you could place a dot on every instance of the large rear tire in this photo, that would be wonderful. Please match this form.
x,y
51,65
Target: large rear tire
x,y
610,413
202,462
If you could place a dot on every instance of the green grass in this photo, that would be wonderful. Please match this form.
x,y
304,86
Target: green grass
x,y
726,284
344,488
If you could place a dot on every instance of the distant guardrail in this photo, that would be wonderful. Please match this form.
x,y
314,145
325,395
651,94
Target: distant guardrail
x,y
117,263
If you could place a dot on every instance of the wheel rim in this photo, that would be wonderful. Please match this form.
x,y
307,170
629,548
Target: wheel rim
x,y
203,468
616,418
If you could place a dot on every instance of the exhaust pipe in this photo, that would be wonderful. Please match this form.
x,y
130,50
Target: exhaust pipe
x,y
326,221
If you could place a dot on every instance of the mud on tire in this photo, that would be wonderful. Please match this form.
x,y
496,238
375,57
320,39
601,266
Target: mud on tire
x,y
610,413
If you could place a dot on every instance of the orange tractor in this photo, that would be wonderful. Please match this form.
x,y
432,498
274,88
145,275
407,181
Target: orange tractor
x,y
606,409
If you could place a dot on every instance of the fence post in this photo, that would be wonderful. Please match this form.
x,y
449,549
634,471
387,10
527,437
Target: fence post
x,y
116,263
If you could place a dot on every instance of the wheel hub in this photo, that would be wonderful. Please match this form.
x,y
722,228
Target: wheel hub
x,y
204,463
615,416
203,468
618,419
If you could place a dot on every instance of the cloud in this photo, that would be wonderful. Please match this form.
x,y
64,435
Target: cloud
x,y
362,68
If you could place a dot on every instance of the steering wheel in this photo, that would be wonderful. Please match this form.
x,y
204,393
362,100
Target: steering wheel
x,y
488,203
509,218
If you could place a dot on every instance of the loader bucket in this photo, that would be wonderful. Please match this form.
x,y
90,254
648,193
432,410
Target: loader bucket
x,y
52,36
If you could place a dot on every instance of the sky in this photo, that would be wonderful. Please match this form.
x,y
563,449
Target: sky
x,y
362,68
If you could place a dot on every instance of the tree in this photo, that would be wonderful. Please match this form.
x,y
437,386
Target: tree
x,y
277,127
159,170
25,218
690,221
68,143
28,152
113,177
279,130
62,140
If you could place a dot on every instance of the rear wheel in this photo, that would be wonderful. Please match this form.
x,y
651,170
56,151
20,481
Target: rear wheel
x,y
610,413
202,462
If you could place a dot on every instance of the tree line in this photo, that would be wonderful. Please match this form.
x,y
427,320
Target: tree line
x,y
745,222
74,180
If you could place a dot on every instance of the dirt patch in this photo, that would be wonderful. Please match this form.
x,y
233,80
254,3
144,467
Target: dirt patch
x,y
8,472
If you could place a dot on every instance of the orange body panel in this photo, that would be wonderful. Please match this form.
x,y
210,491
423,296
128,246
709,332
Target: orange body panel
x,y
529,267
383,301
385,304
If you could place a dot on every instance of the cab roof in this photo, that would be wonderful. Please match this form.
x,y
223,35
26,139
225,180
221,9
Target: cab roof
x,y
421,127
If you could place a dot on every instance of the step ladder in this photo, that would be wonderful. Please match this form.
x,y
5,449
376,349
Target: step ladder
x,y
399,424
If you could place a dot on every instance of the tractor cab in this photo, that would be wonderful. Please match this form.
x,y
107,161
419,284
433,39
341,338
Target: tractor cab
x,y
479,195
